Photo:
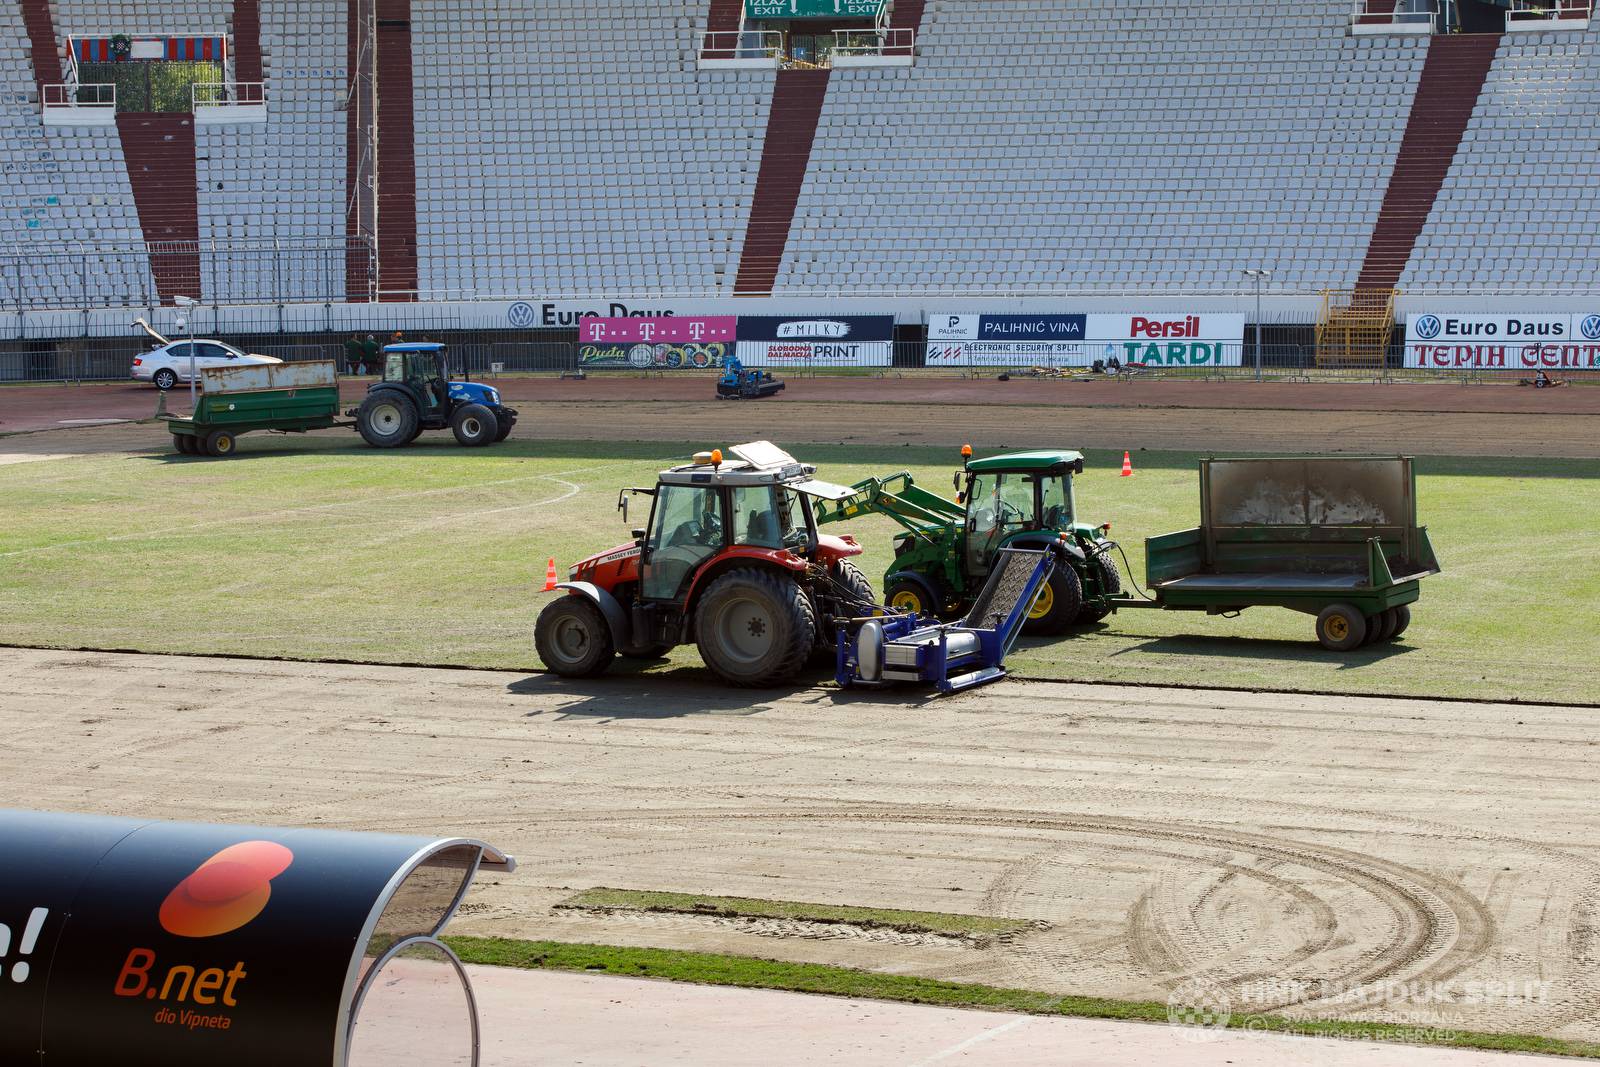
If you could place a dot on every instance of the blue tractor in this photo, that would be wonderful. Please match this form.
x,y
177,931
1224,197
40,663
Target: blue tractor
x,y
416,394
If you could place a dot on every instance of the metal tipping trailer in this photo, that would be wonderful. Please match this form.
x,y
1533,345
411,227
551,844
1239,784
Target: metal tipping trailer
x,y
1334,537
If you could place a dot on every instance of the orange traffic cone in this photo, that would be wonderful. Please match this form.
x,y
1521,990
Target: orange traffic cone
x,y
550,576
1127,465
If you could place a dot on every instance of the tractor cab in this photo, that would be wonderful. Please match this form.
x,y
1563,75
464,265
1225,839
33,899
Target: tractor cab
x,y
1007,496
421,370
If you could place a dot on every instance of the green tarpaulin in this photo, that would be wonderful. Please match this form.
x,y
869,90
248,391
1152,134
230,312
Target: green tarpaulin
x,y
812,9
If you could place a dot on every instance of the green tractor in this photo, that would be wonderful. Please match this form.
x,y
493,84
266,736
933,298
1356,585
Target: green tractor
x,y
1017,501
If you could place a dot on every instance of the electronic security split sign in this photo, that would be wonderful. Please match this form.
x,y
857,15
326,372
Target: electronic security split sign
x,y
125,942
961,339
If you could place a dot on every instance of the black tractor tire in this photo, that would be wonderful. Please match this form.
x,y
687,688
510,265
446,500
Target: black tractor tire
x,y
165,379
416,433
505,430
755,627
572,638
1402,619
1058,603
1341,627
221,443
1104,568
474,426
387,419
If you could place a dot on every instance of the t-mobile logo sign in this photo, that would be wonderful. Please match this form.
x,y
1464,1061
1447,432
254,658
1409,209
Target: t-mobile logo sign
x,y
30,938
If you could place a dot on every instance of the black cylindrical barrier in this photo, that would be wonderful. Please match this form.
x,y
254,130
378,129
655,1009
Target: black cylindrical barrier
x,y
137,942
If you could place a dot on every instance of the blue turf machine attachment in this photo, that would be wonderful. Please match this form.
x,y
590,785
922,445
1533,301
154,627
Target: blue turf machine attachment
x,y
739,382
949,656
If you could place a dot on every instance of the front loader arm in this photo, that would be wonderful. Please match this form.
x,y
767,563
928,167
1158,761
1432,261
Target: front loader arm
x,y
925,514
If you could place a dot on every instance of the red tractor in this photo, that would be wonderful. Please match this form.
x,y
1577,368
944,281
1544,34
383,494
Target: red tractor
x,y
731,560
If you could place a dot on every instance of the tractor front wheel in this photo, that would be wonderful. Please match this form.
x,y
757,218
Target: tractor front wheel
x,y
505,429
572,638
1057,605
907,595
387,420
474,426
755,628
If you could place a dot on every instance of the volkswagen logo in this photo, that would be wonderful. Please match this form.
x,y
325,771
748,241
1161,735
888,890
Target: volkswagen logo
x,y
1591,327
521,314
1428,327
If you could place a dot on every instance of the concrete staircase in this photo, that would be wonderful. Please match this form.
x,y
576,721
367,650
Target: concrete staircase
x,y
785,156
1452,80
42,44
159,150
247,40
397,169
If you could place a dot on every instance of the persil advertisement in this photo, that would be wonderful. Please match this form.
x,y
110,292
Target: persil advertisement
x,y
816,341
1503,342
971,340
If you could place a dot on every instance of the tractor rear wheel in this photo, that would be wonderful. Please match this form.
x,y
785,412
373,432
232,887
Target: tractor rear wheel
x,y
755,628
1058,603
474,426
1104,568
572,637
387,420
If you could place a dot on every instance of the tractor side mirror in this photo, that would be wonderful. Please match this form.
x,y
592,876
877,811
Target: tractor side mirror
x,y
1077,465
955,481
622,504
638,533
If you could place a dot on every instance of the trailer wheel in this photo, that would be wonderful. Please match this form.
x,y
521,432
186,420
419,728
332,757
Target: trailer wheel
x,y
221,443
1058,603
1341,627
572,638
1402,619
1381,626
474,426
165,379
1105,569
755,628
387,420
180,441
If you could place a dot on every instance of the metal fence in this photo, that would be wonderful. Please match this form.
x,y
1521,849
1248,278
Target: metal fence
x,y
486,354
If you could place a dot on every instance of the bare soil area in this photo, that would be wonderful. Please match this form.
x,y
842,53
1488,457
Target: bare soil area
x,y
1399,860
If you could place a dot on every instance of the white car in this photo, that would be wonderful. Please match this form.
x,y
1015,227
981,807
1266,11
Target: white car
x,y
168,364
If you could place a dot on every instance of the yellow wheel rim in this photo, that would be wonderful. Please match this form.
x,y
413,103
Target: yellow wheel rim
x,y
906,600
1338,627
1046,601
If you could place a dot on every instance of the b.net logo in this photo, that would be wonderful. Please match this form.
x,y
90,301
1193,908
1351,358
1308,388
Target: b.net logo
x,y
226,891
25,944
1428,327
1591,327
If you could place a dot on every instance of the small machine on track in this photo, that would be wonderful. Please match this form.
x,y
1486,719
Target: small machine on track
x,y
739,382
956,655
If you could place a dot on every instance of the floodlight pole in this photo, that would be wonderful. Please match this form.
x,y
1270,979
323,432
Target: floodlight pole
x,y
187,319
1260,275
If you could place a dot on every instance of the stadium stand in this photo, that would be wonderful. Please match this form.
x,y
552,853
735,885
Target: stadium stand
x,y
561,153
565,149
1520,208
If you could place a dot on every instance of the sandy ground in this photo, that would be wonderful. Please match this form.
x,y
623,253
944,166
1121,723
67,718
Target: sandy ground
x,y
793,421
537,1017
1433,864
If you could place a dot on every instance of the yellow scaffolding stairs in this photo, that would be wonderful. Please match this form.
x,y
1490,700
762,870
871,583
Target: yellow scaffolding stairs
x,y
1355,327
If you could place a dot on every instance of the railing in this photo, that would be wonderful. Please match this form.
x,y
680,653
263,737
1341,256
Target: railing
x,y
228,101
1395,16
852,44
79,105
1537,14
742,47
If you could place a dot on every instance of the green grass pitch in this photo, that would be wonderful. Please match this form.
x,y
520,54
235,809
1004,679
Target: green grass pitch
x,y
321,548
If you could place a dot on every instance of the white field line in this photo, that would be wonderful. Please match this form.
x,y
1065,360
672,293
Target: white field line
x,y
179,531
976,1039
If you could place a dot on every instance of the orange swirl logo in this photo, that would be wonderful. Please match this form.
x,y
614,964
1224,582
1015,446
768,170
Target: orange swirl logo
x,y
226,891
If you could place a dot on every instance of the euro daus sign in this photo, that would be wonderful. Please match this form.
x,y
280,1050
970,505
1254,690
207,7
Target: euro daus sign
x,y
134,942
1504,341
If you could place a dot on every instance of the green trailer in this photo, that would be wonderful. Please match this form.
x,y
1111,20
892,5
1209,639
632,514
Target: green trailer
x,y
284,397
1334,537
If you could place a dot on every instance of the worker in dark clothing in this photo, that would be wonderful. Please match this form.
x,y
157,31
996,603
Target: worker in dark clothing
x,y
354,356
369,349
